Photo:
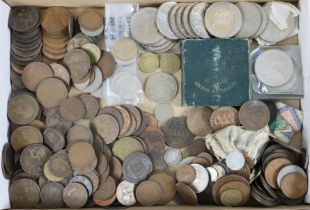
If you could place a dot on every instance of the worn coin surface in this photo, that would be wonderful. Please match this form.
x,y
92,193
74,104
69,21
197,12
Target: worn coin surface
x,y
106,189
78,63
272,170
55,20
93,51
51,195
79,133
198,121
24,19
148,62
163,112
223,117
115,112
107,127
186,194
106,64
196,19
162,20
91,105
125,193
149,193
125,146
75,195
95,17
54,139
173,157
84,181
72,109
24,136
61,72
231,197
185,174
169,63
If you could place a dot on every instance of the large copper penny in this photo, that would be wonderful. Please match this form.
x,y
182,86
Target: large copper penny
x,y
91,106
105,190
177,133
72,109
54,139
24,136
51,195
254,115
33,158
198,121
272,169
149,193
186,174
55,19
186,194
223,117
107,127
51,91
24,19
24,193
75,195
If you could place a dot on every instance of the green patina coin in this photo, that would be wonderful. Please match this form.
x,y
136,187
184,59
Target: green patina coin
x,y
169,63
125,146
148,62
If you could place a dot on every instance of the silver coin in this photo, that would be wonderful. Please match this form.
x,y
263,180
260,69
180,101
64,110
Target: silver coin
x,y
220,170
173,157
163,112
162,21
187,160
97,81
197,21
166,46
235,160
92,33
213,174
85,182
93,176
263,21
178,19
173,23
287,170
125,193
201,181
185,20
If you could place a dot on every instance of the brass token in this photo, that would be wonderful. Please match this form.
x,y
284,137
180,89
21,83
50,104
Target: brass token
x,y
107,127
24,136
167,184
116,169
55,20
24,193
22,109
198,121
186,194
72,109
125,146
149,193
75,195
51,195
91,106
54,139
90,20
169,63
50,92
79,133
107,64
33,158
272,170
106,189
223,117
232,197
148,62
185,174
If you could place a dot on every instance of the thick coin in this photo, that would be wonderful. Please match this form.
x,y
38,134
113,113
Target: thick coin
x,y
198,121
107,64
201,180
254,115
137,167
223,117
162,20
148,62
169,63
173,157
125,193
72,109
54,139
24,136
125,146
235,160
61,72
24,19
51,195
186,194
177,133
24,193
91,106
55,20
186,174
149,193
163,112
107,127
106,189
75,195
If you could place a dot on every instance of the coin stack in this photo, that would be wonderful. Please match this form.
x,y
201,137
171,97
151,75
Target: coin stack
x,y
91,23
26,38
57,25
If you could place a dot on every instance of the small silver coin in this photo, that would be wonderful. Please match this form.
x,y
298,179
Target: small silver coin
x,y
173,157
235,160
125,193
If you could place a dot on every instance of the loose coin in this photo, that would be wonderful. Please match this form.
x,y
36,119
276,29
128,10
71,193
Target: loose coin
x,y
78,41
149,193
95,17
102,163
116,169
93,51
54,139
197,146
55,20
198,121
79,133
75,195
91,106
196,19
162,20
125,146
151,120
124,90
107,64
93,177
201,180
125,193
51,195
107,127
235,160
7,163
294,185
163,112
115,112
223,117
169,63
106,190
125,50
186,174
72,109
173,157
24,136
186,194
148,62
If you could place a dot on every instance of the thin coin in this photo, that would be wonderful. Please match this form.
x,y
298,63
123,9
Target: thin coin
x,y
7,163
196,19
198,121
102,163
24,136
95,17
186,174
54,139
105,203
125,193
162,20
72,109
51,195
197,146
107,127
93,52
151,120
186,194
75,195
149,193
223,117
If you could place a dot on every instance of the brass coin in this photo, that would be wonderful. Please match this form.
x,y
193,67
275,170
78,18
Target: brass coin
x,y
93,52
185,174
232,197
55,19
106,189
115,113
107,64
272,170
24,136
125,146
90,20
51,195
223,117
54,139
167,184
149,193
24,193
186,194
24,19
107,127
116,169
148,62
22,109
75,195
91,106
33,158
72,109
50,92
79,133
169,63
198,121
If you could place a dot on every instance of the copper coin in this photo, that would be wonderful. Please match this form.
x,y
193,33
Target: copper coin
x,y
294,185
104,203
272,170
82,157
51,56
196,147
116,169
7,163
90,20
167,184
115,113
24,136
72,109
51,195
201,161
91,105
126,121
103,177
151,120
79,133
54,119
33,158
223,117
55,19
22,109
206,156
107,64
177,133
186,194
24,19
54,139
105,190
75,195
137,115
198,121
55,51
254,115
149,193
50,92
186,174
24,193
93,177
107,127
102,164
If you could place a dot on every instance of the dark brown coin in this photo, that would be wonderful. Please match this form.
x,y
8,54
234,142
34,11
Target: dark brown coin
x,y
51,195
116,169
198,121
72,109
201,161
177,133
106,64
33,158
149,193
78,63
186,194
54,139
24,193
186,174
75,195
223,117
24,19
107,127
106,189
91,105
114,112
55,20
254,115
7,163
22,109
24,136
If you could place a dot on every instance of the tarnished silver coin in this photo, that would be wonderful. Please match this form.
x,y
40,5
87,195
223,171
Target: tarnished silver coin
x,y
196,19
85,182
185,20
173,22
162,20
125,193
163,112
173,157
201,181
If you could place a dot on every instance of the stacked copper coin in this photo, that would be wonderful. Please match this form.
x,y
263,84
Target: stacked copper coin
x,y
26,39
91,22
57,25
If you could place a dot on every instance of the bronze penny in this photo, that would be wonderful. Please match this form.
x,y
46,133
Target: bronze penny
x,y
55,19
54,119
254,115
54,139
90,20
114,112
126,121
24,19
116,169
133,125
198,121
7,163
79,133
51,195
242,186
186,194
52,56
105,203
24,193
143,123
272,169
106,64
22,109
151,120
177,133
50,92
294,185
106,189
206,156
91,105
72,109
137,115
102,164
33,158
107,127
75,195
223,117
167,184
24,136
93,176
185,174
149,193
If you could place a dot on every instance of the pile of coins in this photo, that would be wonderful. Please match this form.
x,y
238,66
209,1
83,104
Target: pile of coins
x,y
26,38
91,23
